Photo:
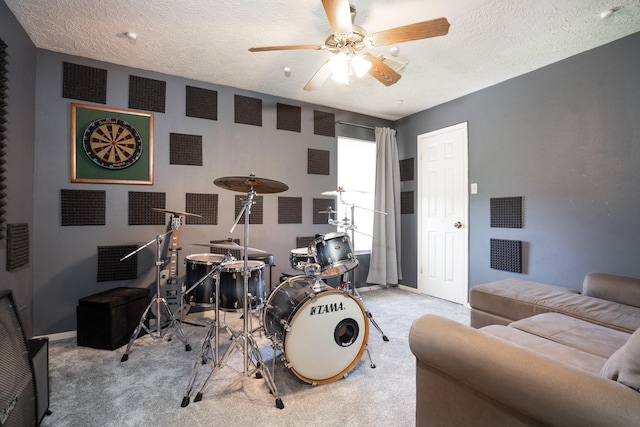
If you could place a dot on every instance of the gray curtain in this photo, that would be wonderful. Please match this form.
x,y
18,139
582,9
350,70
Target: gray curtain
x,y
384,266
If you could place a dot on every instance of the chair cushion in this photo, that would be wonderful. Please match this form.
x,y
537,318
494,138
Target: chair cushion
x,y
624,365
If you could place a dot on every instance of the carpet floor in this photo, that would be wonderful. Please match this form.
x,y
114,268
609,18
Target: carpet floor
x,y
91,387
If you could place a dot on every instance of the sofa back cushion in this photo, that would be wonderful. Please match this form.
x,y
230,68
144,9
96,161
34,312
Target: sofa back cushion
x,y
612,287
624,365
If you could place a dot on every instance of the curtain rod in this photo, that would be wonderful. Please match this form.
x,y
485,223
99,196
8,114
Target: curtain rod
x,y
340,122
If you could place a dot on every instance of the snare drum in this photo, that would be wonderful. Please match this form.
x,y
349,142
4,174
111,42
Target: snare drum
x,y
322,331
198,266
299,258
232,286
333,253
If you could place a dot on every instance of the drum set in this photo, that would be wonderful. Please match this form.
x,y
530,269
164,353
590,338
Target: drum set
x,y
321,331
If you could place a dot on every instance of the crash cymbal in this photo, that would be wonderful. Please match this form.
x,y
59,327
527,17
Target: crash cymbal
x,y
229,245
340,191
178,213
247,183
328,211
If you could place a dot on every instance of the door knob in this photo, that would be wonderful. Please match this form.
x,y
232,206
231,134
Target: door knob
x,y
457,224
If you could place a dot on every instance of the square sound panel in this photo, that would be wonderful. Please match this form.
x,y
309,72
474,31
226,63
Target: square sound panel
x,y
248,110
324,123
205,205
147,94
82,207
304,241
202,103
141,206
185,149
110,268
84,83
406,202
506,212
506,255
318,162
322,205
289,117
17,245
256,210
289,210
406,169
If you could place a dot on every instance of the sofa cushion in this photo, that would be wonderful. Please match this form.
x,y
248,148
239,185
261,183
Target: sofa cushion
x,y
560,353
585,336
612,287
624,365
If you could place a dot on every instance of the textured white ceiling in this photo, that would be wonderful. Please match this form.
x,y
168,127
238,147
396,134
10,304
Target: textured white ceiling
x,y
489,41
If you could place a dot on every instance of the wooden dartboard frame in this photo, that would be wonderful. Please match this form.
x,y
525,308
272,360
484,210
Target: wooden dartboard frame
x,y
134,166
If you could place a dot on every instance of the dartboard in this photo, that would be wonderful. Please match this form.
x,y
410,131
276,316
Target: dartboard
x,y
112,143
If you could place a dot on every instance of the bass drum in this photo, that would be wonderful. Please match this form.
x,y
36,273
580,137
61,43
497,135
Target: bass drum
x,y
322,331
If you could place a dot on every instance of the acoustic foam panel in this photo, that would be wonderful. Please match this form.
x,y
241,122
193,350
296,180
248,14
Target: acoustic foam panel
x,y
289,210
318,162
289,117
248,110
185,149
205,205
84,83
4,87
17,245
406,169
141,206
110,268
406,202
321,205
324,123
506,255
82,207
304,241
506,212
147,94
257,210
18,404
202,103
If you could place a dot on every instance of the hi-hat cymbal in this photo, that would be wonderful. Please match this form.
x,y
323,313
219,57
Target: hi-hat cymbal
x,y
229,245
328,211
248,183
176,212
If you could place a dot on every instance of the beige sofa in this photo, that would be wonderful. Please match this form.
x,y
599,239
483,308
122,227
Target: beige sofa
x,y
563,360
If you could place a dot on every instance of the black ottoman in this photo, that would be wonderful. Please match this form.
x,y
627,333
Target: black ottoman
x,y
107,320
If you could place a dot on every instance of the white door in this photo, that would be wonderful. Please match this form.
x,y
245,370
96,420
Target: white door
x,y
443,259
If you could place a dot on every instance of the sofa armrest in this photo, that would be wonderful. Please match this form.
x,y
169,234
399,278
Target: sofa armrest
x,y
612,287
538,388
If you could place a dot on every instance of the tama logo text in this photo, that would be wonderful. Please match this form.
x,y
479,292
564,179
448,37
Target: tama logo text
x,y
326,308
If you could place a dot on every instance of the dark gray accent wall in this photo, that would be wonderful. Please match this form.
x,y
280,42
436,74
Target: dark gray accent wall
x,y
19,156
67,256
566,138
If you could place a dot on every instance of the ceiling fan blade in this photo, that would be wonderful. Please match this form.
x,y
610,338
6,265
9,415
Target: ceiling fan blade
x,y
420,30
319,78
381,71
291,47
339,15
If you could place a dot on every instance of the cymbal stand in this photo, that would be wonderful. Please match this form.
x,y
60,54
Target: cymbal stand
x,y
352,286
243,341
157,300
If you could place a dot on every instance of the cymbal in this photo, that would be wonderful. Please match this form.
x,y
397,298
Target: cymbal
x,y
247,183
229,245
328,211
340,191
176,212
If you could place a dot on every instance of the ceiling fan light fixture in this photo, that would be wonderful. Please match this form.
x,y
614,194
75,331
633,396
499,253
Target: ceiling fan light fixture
x,y
360,66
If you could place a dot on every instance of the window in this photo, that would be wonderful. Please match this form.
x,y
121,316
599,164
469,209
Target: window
x,y
357,176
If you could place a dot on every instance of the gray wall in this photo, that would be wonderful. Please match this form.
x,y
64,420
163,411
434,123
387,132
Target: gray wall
x,y
566,138
19,156
67,256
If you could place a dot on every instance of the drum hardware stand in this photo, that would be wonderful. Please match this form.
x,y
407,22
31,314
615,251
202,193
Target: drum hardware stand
x,y
354,291
158,300
243,341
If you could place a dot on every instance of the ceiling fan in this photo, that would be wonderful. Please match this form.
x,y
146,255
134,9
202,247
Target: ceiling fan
x,y
348,42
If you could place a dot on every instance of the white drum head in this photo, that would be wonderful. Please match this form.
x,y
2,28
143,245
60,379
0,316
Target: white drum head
x,y
327,337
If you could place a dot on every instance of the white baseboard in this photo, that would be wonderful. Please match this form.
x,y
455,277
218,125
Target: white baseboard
x,y
59,336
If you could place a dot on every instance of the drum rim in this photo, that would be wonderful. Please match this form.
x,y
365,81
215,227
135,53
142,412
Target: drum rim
x,y
257,265
189,258
332,235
